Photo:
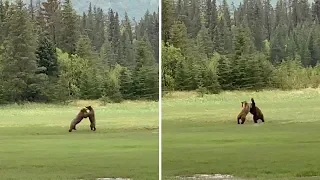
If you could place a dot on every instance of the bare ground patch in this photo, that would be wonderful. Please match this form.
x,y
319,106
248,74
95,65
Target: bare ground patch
x,y
209,177
230,177
113,179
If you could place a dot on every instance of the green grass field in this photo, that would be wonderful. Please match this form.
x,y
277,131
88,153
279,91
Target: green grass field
x,y
36,145
201,135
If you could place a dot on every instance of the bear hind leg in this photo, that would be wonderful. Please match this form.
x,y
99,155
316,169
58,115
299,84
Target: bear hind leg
x,y
243,119
92,127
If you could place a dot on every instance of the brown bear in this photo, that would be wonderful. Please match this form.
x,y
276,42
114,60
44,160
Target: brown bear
x,y
244,112
256,112
92,118
82,114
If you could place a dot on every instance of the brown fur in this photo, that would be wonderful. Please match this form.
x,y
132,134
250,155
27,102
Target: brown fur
x,y
244,112
92,118
82,114
256,112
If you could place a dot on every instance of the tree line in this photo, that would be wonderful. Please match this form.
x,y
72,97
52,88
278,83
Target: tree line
x,y
49,53
213,47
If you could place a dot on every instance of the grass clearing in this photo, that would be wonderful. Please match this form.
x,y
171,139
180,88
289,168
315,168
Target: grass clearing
x,y
35,142
201,135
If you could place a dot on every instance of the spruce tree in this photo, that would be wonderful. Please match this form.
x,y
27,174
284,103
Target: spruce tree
x,y
19,59
47,57
70,28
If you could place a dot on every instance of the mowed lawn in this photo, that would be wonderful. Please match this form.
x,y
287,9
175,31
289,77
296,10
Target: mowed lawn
x,y
201,135
35,143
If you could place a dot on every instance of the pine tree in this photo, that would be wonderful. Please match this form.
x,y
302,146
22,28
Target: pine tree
x,y
115,42
126,50
2,21
50,13
226,14
240,67
70,29
126,84
89,23
83,26
143,53
277,44
221,37
183,76
210,78
194,18
179,36
99,31
255,23
204,42
267,18
167,19
316,11
85,50
314,46
19,58
145,75
224,73
106,54
208,14
213,23
47,57
127,26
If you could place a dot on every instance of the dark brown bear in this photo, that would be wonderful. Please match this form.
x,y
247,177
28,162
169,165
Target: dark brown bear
x,y
256,112
92,118
244,112
82,114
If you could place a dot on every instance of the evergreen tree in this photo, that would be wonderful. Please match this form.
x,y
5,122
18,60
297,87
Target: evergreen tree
x,y
126,84
204,42
70,29
127,26
224,73
106,54
278,44
226,14
167,19
179,36
127,50
316,11
145,75
84,49
99,31
50,13
47,57
19,59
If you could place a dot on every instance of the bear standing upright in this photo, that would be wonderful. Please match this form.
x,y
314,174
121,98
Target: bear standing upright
x,y
82,114
92,118
244,112
256,112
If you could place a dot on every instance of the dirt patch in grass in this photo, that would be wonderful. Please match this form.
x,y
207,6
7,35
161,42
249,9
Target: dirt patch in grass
x,y
113,179
230,177
210,177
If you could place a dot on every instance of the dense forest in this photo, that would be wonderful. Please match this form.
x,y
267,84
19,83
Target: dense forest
x,y
50,53
132,7
213,47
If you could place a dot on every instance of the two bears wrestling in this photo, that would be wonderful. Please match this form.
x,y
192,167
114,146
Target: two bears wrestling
x,y
84,114
253,109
